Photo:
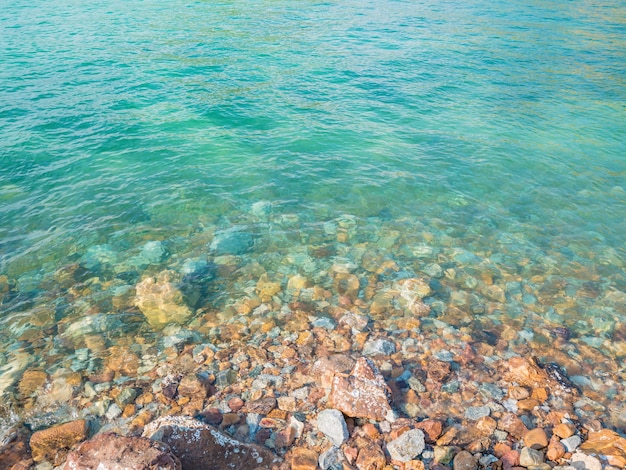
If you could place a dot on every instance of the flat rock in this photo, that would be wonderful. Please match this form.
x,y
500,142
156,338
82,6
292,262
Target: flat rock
x,y
112,452
474,413
54,443
408,446
582,461
362,394
200,446
333,425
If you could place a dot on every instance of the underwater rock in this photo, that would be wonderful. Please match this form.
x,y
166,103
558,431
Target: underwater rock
x,y
202,447
54,443
408,446
161,301
113,452
234,241
363,393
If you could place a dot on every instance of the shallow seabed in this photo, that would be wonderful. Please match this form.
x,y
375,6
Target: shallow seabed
x,y
453,170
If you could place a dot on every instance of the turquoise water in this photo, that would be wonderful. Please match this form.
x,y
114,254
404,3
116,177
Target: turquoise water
x,y
460,140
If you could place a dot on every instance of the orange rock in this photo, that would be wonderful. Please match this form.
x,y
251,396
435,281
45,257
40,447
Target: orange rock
x,y
555,451
564,430
510,459
527,404
518,393
371,457
486,425
54,443
370,431
500,449
536,438
540,394
607,443
432,429
513,425
303,459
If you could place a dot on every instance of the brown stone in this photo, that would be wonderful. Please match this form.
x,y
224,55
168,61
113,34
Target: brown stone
x,y
15,449
555,451
53,443
362,394
437,370
607,443
202,447
564,430
464,461
371,457
261,406
31,381
193,387
115,452
500,449
235,404
526,372
513,425
304,459
536,438
432,429
510,459
486,425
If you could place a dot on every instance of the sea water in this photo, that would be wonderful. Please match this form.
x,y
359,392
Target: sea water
x,y
478,145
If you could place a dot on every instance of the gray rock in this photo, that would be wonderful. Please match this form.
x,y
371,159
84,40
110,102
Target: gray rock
x,y
333,425
474,413
126,396
113,411
529,457
332,459
582,461
408,446
379,346
152,253
232,242
324,322
571,443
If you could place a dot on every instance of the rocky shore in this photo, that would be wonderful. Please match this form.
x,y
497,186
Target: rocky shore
x,y
334,396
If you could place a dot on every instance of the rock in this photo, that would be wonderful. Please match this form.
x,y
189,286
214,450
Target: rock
x,y
536,438
261,406
432,428
362,394
153,252
161,301
474,413
408,446
564,430
193,387
112,452
377,346
513,425
303,459
371,457
233,241
529,457
571,443
464,461
113,411
332,459
582,461
202,447
333,425
444,454
555,451
14,447
608,444
54,443
267,289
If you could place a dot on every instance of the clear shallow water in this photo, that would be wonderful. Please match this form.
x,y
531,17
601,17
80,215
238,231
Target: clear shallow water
x,y
481,137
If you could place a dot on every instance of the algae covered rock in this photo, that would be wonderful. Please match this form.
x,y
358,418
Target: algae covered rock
x,y
161,300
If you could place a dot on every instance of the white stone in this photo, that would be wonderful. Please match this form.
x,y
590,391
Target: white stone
x,y
333,425
408,446
582,461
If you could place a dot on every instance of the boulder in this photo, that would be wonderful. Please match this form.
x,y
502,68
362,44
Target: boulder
x,y
54,443
200,446
115,452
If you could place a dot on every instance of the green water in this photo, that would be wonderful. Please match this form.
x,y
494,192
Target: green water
x,y
478,137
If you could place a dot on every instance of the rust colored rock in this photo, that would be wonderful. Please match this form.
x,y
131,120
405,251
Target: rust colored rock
x,y
303,459
536,438
371,457
437,371
235,404
510,459
115,452
202,447
564,430
210,416
432,429
486,425
15,449
362,394
555,451
54,443
464,461
608,444
513,425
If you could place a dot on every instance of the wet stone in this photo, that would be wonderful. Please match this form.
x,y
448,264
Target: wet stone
x,y
529,457
379,346
571,443
474,413
536,438
332,459
304,459
582,461
53,443
464,461
370,457
408,446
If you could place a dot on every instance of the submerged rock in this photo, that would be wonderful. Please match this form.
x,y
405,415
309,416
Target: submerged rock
x,y
408,446
199,446
363,393
234,241
54,443
115,452
161,301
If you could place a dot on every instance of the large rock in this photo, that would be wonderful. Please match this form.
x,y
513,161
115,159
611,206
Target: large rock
x,y
333,425
112,452
233,241
202,447
362,394
54,443
161,300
